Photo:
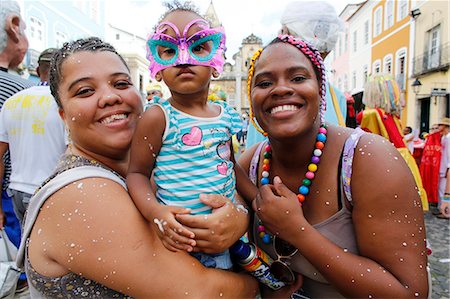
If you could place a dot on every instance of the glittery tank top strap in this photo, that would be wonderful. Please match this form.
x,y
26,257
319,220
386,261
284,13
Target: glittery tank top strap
x,y
347,161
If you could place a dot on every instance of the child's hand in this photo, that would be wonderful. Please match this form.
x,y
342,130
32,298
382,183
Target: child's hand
x,y
173,235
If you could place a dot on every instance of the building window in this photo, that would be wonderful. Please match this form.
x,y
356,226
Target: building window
x,y
353,79
389,14
400,68
340,83
117,36
433,47
340,46
365,73
36,36
61,38
402,9
377,25
366,32
355,41
377,67
387,64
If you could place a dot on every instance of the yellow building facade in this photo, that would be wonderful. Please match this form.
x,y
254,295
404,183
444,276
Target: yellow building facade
x,y
391,45
429,98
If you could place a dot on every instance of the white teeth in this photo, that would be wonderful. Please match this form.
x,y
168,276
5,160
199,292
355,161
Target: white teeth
x,y
112,118
283,108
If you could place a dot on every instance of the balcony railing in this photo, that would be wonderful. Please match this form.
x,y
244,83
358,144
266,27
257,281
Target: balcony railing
x,y
432,62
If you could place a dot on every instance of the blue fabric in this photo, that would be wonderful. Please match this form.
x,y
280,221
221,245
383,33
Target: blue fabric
x,y
12,224
217,261
253,136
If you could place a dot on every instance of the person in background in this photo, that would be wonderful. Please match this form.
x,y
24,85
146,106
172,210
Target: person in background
x,y
13,47
320,208
429,166
408,138
245,123
318,23
381,116
83,236
32,130
444,170
154,90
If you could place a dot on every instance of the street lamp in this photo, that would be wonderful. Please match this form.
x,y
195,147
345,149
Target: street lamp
x,y
416,86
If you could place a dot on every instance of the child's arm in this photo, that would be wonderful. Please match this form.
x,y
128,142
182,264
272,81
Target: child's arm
x,y
244,186
145,147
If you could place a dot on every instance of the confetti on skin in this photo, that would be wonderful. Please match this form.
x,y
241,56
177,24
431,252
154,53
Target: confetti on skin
x,y
241,208
159,223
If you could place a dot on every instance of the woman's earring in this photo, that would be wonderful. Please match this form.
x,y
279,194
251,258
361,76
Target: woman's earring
x,y
158,77
215,74
69,141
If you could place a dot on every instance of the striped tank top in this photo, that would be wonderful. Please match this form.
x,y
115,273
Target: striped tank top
x,y
195,157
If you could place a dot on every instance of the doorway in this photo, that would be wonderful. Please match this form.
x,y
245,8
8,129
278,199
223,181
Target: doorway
x,y
424,115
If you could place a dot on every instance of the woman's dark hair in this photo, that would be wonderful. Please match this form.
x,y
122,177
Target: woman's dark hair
x,y
90,44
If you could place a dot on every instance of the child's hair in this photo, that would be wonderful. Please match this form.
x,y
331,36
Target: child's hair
x,y
311,53
91,44
176,5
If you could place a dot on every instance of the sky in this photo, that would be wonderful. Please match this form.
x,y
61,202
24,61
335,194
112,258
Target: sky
x,y
240,18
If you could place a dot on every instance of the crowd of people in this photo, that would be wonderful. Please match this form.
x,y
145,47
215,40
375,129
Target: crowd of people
x,y
95,183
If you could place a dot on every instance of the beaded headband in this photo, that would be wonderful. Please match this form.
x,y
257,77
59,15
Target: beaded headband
x,y
311,53
206,47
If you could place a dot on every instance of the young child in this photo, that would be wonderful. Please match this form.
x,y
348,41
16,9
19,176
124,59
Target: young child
x,y
185,140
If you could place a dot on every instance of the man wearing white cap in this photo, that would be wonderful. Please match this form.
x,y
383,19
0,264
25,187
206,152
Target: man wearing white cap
x,y
444,173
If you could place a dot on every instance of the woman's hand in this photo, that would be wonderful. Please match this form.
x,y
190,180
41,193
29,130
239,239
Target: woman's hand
x,y
216,232
278,209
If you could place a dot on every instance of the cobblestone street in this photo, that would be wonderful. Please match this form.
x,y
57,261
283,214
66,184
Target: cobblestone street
x,y
438,235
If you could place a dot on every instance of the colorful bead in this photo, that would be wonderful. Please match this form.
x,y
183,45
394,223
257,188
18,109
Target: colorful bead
x,y
267,239
312,167
315,159
301,198
264,181
266,167
310,175
265,174
261,228
306,182
321,137
317,152
303,190
320,145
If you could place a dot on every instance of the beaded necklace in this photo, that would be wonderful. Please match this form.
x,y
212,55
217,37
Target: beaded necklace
x,y
304,188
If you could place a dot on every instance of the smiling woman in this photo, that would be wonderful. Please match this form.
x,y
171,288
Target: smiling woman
x,y
331,192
